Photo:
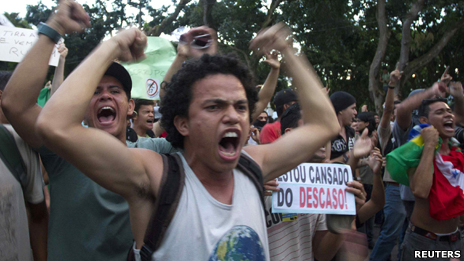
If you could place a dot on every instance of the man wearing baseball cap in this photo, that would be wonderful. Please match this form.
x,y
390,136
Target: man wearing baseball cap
x,y
282,100
87,221
345,108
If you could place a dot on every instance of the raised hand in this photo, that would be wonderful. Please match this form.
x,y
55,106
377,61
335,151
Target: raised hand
x,y
277,37
62,50
440,89
363,145
132,43
70,17
273,60
455,89
446,78
185,45
375,160
395,76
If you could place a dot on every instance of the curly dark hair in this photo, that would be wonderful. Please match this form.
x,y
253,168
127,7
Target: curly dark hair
x,y
178,97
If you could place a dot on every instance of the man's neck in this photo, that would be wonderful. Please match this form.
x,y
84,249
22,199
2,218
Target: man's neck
x,y
444,149
142,132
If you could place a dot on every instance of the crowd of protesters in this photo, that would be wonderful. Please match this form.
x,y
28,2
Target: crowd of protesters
x,y
97,175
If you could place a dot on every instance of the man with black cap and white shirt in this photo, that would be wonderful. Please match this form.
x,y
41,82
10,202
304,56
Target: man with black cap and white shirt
x,y
282,100
345,108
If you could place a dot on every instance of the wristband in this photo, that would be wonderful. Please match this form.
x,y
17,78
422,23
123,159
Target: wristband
x,y
50,32
391,87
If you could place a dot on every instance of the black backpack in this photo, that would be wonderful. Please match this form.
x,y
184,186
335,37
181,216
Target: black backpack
x,y
172,184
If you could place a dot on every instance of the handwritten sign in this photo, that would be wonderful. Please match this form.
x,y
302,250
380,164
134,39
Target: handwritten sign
x,y
148,74
315,188
15,43
4,21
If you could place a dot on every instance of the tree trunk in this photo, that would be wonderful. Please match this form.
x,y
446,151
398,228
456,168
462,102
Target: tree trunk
x,y
207,13
422,61
374,83
406,35
270,12
158,29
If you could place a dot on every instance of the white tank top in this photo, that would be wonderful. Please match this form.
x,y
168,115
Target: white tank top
x,y
206,229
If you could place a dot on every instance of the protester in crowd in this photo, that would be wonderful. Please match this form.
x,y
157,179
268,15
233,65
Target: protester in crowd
x,y
144,118
394,211
87,222
366,175
21,188
305,236
405,121
282,100
385,77
345,108
438,202
206,111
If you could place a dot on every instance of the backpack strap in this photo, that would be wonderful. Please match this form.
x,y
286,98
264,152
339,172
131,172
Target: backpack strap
x,y
251,169
10,155
172,184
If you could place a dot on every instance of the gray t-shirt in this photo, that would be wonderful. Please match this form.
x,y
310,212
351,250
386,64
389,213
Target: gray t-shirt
x,y
401,137
87,221
14,232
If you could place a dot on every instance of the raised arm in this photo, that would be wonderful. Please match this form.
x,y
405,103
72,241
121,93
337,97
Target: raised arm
x,y
455,89
96,153
395,76
266,92
318,115
20,95
422,180
59,70
404,109
377,201
186,51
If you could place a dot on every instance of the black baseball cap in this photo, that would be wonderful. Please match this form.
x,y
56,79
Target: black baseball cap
x,y
284,97
118,71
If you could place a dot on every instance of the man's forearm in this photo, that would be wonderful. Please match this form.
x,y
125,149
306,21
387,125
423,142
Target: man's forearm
x,y
311,96
265,95
422,180
58,76
389,108
175,66
404,109
38,228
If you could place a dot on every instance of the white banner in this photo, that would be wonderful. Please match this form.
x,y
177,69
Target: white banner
x,y
4,21
315,188
15,43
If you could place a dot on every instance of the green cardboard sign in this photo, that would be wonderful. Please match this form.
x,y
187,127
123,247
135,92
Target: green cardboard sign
x,y
148,74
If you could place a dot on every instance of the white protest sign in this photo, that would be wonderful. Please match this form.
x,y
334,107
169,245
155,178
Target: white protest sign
x,y
315,188
15,43
4,21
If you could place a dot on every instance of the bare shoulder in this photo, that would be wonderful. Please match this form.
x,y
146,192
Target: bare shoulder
x,y
153,167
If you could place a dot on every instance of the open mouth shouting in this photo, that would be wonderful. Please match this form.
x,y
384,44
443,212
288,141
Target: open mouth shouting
x,y
228,145
448,125
106,115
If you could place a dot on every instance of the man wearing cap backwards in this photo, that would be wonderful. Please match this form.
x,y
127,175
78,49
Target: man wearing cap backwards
x,y
87,221
282,100
345,108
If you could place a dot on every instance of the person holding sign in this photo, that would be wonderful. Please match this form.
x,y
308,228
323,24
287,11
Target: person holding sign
x,y
305,236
